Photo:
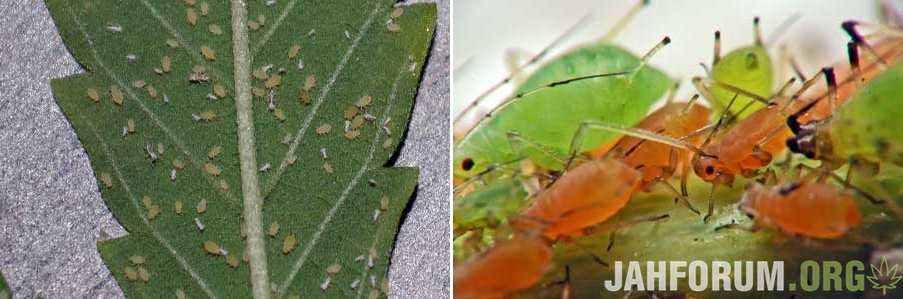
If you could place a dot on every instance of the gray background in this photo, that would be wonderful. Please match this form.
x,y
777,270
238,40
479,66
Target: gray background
x,y
51,213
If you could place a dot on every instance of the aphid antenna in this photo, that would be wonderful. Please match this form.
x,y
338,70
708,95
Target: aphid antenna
x,y
517,70
623,21
704,83
645,60
806,85
832,87
757,31
690,103
705,68
515,139
680,196
630,222
579,135
850,28
716,52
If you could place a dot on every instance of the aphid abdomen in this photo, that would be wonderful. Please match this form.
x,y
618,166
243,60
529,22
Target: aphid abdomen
x,y
736,147
813,209
586,195
523,260
869,125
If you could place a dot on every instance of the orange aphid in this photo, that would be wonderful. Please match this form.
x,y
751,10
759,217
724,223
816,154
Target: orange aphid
x,y
508,266
654,160
586,195
814,210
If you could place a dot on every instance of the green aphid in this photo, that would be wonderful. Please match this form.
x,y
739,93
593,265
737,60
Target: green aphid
x,y
866,129
553,102
748,68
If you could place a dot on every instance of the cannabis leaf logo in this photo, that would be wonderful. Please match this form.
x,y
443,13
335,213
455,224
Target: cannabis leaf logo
x,y
884,277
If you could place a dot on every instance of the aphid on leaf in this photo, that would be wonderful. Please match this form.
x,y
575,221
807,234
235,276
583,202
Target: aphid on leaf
x,y
287,139
327,167
833,211
364,101
150,152
93,95
116,95
208,53
355,283
212,248
160,148
258,92
260,74
166,63
393,27
397,12
273,230
152,91
143,275
384,203
310,82
178,207
273,81
324,129
291,159
304,97
139,84
357,122
388,143
130,124
178,164
253,25
289,244
353,134
219,90
172,43
191,16
205,8
137,260
153,211
261,19
180,294
147,202
374,294
214,152
223,185
279,114
172,174
351,112
190,2
130,273
208,116
333,269
232,261
106,179
215,29
202,206
294,51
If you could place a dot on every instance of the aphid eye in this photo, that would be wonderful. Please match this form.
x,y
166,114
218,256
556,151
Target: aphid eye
x,y
709,170
467,164
752,62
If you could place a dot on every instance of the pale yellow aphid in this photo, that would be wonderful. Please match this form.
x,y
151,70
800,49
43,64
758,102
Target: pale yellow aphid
x,y
208,115
261,19
153,211
327,167
172,43
219,90
397,12
116,95
388,143
146,200
191,16
151,91
215,29
357,122
223,185
260,74
107,180
273,230
130,124
324,129
190,2
351,112
364,101
294,51
304,97
178,207
160,148
374,294
279,114
212,169
208,53
353,134
289,244
142,273
333,269
180,294
253,25
310,82
258,92
214,151
393,27
202,206
93,95
131,274
137,259
232,261
139,84
205,8
178,164
384,203
166,63
212,248
273,81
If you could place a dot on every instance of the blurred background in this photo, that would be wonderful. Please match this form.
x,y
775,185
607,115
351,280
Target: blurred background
x,y
485,30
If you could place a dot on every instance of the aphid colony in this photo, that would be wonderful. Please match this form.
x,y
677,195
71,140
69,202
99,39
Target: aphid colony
x,y
585,169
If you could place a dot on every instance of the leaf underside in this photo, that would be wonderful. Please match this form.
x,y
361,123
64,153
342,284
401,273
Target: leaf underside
x,y
343,208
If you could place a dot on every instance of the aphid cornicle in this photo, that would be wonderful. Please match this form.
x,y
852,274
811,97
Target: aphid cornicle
x,y
598,81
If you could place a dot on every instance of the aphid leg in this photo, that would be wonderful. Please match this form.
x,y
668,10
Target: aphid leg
x,y
708,215
579,135
514,72
757,31
681,197
631,222
853,55
850,28
733,225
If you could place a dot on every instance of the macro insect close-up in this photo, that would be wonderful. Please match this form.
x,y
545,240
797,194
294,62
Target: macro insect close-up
x,y
677,149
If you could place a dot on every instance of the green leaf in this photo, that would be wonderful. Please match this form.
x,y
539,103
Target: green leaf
x,y
4,289
198,137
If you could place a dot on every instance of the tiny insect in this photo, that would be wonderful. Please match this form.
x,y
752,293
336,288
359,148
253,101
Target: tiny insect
x,y
364,101
151,91
397,12
130,273
202,206
208,53
357,122
324,129
205,8
354,284
139,84
172,43
137,259
150,152
310,82
114,28
273,81
832,211
219,90
116,95
178,164
333,269
327,167
289,243
215,29
384,203
212,169
223,185
214,152
232,261
287,139
352,135
153,211
212,248
143,275
178,207
291,159
294,51
93,95
351,112
388,143
130,124
524,260
207,116
376,213
131,58
253,25
393,27
191,16
172,174
273,230
180,294
279,114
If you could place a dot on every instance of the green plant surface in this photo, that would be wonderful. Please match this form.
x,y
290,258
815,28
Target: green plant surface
x,y
206,126
4,289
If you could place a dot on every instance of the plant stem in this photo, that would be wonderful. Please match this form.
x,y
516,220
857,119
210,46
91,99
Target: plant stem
x,y
250,185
